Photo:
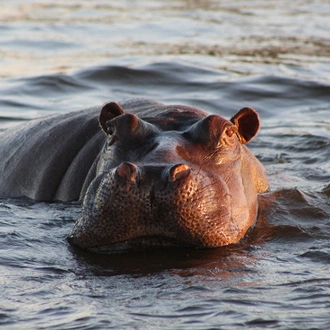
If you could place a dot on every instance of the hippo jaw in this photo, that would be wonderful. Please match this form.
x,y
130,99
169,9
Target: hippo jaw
x,y
130,207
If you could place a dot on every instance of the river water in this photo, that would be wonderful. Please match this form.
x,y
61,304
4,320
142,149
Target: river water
x,y
61,56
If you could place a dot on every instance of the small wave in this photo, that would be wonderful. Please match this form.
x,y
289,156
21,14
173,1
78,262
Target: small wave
x,y
320,254
296,216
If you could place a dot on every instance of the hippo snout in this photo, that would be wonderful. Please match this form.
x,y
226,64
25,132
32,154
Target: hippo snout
x,y
176,204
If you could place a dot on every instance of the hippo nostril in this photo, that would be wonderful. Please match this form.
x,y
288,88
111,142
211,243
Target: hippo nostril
x,y
179,172
126,171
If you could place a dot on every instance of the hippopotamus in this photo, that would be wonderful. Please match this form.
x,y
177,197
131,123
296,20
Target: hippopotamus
x,y
148,174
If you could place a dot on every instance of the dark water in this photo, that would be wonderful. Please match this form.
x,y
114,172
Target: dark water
x,y
219,56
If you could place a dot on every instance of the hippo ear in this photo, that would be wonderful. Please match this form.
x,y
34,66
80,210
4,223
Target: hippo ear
x,y
108,112
248,124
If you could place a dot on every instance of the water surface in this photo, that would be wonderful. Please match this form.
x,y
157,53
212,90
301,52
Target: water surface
x,y
219,56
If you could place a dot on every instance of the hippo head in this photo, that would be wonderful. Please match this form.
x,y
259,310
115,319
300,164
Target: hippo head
x,y
177,178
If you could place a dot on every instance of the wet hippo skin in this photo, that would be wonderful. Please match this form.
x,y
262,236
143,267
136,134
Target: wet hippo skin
x,y
149,174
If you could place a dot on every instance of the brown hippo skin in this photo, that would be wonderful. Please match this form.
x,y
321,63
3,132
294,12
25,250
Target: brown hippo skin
x,y
152,175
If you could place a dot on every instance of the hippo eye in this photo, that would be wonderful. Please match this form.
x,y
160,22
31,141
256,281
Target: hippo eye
x,y
110,129
228,135
112,138
230,131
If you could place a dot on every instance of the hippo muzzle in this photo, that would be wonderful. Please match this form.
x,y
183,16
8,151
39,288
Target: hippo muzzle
x,y
167,182
162,205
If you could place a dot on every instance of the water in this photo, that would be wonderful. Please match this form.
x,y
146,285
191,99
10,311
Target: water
x,y
217,55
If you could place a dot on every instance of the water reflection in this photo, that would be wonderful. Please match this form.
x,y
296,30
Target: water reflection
x,y
218,261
